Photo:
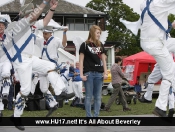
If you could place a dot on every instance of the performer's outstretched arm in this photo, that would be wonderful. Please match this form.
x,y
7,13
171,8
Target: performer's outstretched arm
x,y
53,6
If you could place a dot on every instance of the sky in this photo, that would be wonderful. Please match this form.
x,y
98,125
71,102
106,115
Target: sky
x,y
135,6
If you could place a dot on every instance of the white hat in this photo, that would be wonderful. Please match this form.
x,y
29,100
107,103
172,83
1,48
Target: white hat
x,y
7,17
48,29
4,21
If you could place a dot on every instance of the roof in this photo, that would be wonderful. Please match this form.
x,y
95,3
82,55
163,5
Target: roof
x,y
64,7
141,57
11,7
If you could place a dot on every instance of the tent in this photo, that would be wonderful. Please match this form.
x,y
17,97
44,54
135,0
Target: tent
x,y
138,67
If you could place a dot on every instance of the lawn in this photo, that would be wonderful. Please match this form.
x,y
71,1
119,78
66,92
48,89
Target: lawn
x,y
67,111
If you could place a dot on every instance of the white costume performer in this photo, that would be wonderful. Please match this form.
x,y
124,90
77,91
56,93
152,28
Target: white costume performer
x,y
155,76
19,47
154,31
64,73
49,52
5,67
49,49
35,78
22,47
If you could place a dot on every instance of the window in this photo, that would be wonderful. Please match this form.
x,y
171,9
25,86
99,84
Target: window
x,y
89,23
58,20
80,24
70,24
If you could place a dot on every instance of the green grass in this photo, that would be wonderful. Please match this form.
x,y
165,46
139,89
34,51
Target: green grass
x,y
116,110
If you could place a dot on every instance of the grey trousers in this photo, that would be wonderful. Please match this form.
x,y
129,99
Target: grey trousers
x,y
117,91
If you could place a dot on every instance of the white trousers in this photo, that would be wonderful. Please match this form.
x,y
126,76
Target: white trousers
x,y
41,67
48,95
5,68
35,80
1,105
171,101
66,82
24,71
156,75
77,88
153,78
165,61
44,84
55,80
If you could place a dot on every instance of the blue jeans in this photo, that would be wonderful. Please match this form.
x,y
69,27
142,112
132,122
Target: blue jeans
x,y
93,87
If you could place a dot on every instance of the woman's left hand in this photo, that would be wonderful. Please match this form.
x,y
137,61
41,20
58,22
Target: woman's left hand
x,y
84,78
105,76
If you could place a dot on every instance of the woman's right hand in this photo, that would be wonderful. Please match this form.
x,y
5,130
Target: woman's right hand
x,y
84,78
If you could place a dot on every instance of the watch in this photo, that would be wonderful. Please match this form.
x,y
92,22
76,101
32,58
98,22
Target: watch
x,y
52,10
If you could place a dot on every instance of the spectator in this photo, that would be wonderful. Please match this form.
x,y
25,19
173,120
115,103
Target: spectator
x,y
93,69
117,78
76,81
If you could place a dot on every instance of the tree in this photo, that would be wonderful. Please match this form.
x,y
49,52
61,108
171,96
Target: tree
x,y
116,9
171,18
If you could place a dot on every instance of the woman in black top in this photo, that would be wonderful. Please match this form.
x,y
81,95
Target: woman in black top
x,y
93,69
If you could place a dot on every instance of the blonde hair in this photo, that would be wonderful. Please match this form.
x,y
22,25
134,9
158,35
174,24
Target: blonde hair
x,y
92,35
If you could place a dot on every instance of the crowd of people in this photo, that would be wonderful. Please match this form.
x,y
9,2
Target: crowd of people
x,y
18,62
